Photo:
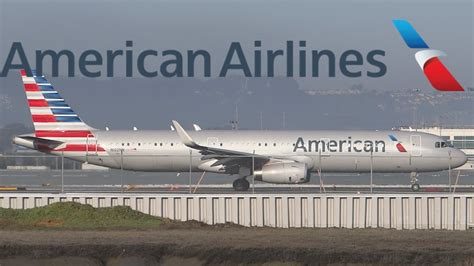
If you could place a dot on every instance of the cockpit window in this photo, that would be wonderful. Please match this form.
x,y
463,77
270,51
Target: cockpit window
x,y
442,144
446,144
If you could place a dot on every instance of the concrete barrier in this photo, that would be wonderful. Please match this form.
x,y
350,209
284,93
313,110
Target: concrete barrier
x,y
394,211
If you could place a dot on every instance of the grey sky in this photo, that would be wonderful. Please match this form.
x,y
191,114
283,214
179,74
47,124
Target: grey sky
x,y
213,25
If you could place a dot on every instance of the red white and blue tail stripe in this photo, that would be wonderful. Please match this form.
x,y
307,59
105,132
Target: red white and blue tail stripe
x,y
52,116
54,119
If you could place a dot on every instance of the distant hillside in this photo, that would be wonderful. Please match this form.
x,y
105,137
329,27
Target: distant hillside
x,y
153,103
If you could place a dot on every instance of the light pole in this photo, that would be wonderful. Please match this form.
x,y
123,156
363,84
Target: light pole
x,y
121,171
190,169
62,172
371,171
253,172
449,171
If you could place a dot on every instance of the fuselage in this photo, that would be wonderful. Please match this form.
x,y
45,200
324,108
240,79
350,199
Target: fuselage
x,y
328,151
284,157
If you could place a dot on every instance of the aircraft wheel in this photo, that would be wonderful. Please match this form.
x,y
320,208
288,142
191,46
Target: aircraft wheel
x,y
415,187
241,184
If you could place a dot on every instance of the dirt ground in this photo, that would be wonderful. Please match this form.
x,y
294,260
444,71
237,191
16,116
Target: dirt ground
x,y
198,245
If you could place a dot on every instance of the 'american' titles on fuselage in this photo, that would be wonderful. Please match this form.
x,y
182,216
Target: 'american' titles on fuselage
x,y
347,145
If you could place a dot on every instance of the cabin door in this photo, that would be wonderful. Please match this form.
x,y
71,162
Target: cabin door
x,y
91,146
415,145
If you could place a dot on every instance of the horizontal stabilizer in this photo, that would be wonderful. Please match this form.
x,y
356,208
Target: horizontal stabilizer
x,y
38,143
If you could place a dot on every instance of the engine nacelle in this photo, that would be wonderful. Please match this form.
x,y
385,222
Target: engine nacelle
x,y
283,173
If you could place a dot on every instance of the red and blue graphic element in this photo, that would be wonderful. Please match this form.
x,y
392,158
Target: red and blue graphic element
x,y
54,119
399,145
428,59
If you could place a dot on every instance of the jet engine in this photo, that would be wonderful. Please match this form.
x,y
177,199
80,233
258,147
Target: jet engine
x,y
283,173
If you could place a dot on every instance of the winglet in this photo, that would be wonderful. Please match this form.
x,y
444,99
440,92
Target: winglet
x,y
197,127
184,136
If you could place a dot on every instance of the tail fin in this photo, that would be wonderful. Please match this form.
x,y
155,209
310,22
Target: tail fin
x,y
52,116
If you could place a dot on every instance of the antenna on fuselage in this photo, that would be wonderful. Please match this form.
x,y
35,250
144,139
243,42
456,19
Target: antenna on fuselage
x,y
197,127
135,128
172,128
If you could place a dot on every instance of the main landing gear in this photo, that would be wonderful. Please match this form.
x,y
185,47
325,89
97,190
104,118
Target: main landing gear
x,y
415,187
241,184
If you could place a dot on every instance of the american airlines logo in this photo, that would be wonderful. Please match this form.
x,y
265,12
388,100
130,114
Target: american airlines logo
x,y
346,145
437,74
398,144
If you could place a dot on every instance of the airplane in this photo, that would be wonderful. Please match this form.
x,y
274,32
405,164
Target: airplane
x,y
282,157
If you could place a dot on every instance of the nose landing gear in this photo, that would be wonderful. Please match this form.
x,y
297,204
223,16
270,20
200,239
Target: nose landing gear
x,y
241,184
415,187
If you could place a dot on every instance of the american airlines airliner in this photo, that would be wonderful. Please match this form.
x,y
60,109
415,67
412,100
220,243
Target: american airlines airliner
x,y
283,157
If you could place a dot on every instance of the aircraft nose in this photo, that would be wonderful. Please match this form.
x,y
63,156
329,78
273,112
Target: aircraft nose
x,y
458,158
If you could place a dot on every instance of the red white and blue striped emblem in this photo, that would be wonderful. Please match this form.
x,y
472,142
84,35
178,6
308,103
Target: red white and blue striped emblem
x,y
53,118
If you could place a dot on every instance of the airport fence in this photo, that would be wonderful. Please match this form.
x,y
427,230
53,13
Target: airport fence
x,y
264,208
389,211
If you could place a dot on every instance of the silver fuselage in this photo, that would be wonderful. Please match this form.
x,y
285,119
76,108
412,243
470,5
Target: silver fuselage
x,y
330,151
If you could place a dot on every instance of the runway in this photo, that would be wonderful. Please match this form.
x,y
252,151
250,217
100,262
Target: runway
x,y
227,189
50,181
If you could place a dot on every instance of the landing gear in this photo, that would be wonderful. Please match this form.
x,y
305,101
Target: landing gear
x,y
415,187
241,184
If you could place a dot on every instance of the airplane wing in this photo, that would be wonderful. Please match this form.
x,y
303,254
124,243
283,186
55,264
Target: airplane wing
x,y
228,158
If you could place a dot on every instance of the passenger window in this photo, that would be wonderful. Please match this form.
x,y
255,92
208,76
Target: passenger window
x,y
444,144
437,145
